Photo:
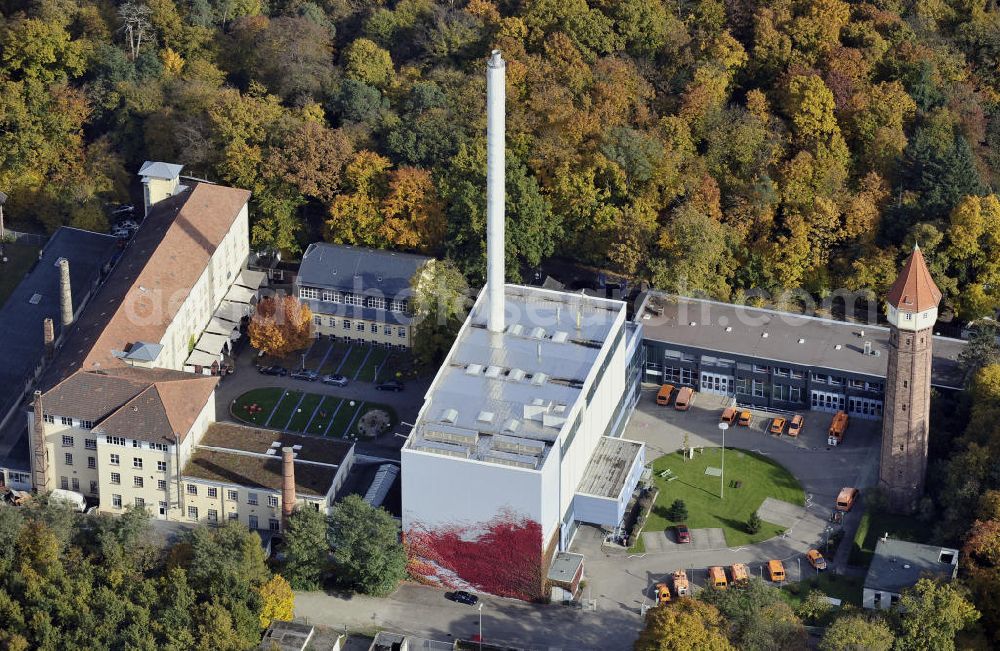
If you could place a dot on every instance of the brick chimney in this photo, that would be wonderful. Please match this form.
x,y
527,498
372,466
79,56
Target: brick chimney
x,y
39,457
287,483
49,337
65,294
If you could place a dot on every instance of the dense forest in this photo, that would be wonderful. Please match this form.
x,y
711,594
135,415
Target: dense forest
x,y
713,145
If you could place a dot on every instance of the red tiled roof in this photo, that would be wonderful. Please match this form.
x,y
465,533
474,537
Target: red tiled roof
x,y
914,289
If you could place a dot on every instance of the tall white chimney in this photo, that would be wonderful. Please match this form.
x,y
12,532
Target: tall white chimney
x,y
65,294
495,189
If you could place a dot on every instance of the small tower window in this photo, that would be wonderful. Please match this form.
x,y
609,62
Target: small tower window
x,y
909,316
909,340
906,383
900,447
904,407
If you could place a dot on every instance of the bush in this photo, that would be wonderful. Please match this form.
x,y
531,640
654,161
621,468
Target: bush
x,y
753,523
678,511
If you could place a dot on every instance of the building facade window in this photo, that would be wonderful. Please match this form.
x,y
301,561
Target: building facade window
x,y
376,302
76,484
192,489
162,447
398,306
64,483
116,501
347,324
308,292
387,331
318,320
401,332
115,460
332,322
361,326
67,441
93,488
234,516
161,466
86,424
67,421
137,463
758,389
213,515
795,394
252,499
233,495
743,386
69,458
140,502
193,512
116,440
272,501
353,299
252,522
116,478
213,492
137,481
48,418
90,444
273,525
798,375
161,484
374,328
92,462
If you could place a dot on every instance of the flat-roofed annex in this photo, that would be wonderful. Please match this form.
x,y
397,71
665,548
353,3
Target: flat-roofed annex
x,y
505,397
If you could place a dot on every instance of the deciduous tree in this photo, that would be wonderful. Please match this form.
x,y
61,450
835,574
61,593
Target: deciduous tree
x,y
368,554
280,325
307,550
688,624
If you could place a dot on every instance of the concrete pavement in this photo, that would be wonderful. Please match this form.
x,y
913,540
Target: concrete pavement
x,y
424,611
625,581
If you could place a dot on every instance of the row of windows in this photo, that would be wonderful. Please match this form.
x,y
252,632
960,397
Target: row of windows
x,y
64,483
330,296
69,441
65,420
232,495
359,326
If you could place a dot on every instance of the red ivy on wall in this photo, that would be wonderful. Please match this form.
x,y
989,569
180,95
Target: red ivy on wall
x,y
502,556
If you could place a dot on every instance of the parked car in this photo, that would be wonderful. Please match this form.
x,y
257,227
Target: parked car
x,y
463,597
740,572
684,399
335,380
663,395
662,593
795,427
717,578
683,533
746,417
778,426
816,559
273,370
775,571
729,415
846,498
305,374
390,385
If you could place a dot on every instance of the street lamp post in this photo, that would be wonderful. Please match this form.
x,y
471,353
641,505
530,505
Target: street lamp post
x,y
722,477
480,626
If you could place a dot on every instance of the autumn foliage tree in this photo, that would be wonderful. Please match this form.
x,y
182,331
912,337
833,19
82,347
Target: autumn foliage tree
x,y
686,624
280,325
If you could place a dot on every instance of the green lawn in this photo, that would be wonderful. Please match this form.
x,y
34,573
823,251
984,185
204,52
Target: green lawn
x,y
316,353
305,412
283,412
354,360
323,415
20,257
333,359
845,588
343,419
876,524
367,373
265,398
759,478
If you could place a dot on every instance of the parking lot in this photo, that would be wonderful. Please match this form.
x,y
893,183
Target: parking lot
x,y
627,580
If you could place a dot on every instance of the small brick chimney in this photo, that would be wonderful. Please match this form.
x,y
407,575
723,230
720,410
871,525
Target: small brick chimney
x,y
40,458
65,294
49,337
287,483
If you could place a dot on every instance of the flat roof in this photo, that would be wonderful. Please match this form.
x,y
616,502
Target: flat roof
x,y
608,468
14,451
898,564
251,456
286,636
564,567
37,297
504,397
728,328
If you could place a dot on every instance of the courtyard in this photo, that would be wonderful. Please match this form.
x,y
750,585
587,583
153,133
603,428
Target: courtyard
x,y
308,413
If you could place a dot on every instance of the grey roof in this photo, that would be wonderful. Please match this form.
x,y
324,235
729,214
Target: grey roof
x,y
564,567
504,398
286,636
899,564
359,270
792,338
157,170
14,451
21,318
608,468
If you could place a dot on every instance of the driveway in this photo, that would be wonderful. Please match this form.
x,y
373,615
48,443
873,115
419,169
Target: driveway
x,y
407,403
625,581
424,612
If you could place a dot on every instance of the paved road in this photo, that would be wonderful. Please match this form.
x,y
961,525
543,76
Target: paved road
x,y
423,611
407,403
626,581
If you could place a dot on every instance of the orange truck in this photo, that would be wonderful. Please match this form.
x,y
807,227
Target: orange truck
x,y
740,572
681,586
717,577
837,429
729,415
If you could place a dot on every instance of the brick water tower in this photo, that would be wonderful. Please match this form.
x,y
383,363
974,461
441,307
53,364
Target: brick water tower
x,y
912,311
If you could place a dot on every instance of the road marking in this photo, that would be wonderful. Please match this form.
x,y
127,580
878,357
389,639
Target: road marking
x,y
353,418
336,411
323,361
362,365
305,430
347,354
292,415
284,394
385,359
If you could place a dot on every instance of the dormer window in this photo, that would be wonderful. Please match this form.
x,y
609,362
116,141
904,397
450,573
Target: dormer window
x,y
909,316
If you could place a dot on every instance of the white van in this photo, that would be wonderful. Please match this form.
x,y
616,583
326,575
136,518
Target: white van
x,y
76,500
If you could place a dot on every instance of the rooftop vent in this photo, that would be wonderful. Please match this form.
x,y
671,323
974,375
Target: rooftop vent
x,y
837,347
693,323
449,416
473,369
560,337
538,333
763,335
515,329
538,379
58,262
515,375
485,417
801,340
35,299
271,452
511,425
493,372
729,328
868,347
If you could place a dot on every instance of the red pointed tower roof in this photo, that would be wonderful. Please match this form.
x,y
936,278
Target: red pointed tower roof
x,y
914,289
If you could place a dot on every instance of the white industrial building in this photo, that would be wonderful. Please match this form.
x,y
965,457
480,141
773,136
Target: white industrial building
x,y
518,426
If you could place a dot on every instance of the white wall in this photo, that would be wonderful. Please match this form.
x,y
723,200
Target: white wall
x,y
440,490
